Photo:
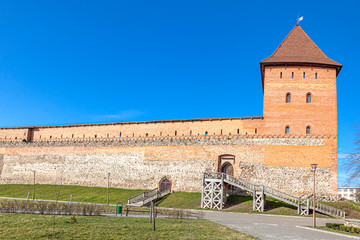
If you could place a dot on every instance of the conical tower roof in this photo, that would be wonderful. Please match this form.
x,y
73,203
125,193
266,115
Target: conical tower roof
x,y
298,49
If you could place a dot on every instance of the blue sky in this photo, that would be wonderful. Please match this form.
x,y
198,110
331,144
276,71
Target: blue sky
x,y
65,62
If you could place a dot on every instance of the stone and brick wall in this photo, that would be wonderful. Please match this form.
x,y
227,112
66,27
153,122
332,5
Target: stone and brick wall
x,y
142,163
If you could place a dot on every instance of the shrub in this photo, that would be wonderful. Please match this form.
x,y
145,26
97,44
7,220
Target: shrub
x,y
342,227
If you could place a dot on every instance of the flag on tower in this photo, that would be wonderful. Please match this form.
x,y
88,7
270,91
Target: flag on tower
x,y
300,19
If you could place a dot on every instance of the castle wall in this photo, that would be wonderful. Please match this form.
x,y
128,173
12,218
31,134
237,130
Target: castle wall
x,y
142,163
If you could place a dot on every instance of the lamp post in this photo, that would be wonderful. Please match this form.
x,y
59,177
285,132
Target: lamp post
x,y
108,175
34,187
313,168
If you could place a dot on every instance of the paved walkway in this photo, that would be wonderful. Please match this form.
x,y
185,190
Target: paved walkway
x,y
274,227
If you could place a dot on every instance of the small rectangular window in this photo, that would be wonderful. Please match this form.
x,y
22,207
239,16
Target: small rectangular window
x,y
287,130
315,75
281,75
292,75
288,98
304,75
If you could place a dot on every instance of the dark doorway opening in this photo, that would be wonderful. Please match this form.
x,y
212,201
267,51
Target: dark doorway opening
x,y
228,169
165,184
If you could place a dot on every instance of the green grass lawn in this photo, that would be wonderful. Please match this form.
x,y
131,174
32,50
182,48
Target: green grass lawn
x,y
27,226
79,194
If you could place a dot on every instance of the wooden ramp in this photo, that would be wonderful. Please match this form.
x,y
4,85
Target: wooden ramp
x,y
144,198
213,195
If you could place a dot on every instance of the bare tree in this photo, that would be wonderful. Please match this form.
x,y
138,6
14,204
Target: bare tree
x,y
357,197
353,162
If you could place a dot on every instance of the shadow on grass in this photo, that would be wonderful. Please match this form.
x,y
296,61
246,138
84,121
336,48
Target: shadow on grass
x,y
245,204
159,201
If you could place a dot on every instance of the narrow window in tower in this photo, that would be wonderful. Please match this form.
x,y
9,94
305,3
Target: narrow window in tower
x,y
160,133
281,75
72,136
308,97
308,130
255,130
107,135
288,98
292,75
175,133
221,132
304,75
50,136
147,134
120,134
206,133
95,136
238,131
315,75
287,130
190,132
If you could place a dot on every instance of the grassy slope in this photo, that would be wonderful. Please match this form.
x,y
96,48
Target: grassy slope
x,y
79,194
181,200
27,226
352,209
272,206
174,200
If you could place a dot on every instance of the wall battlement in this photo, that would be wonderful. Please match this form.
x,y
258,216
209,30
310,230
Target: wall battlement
x,y
186,127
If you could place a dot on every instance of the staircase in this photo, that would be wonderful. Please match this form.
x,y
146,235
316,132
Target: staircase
x,y
143,198
213,195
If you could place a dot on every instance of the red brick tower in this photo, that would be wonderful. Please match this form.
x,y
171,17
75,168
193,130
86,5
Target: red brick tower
x,y
299,84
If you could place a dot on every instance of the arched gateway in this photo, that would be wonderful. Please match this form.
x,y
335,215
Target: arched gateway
x,y
226,164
